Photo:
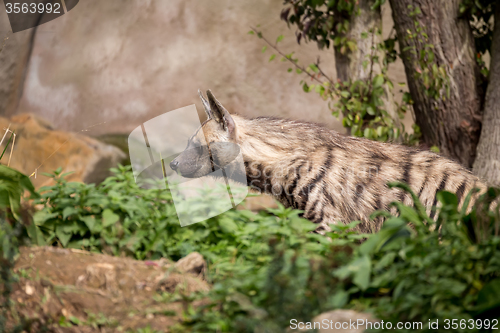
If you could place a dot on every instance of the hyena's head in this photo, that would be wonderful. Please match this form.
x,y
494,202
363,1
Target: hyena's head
x,y
212,146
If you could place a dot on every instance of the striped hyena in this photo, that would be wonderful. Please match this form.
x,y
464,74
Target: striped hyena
x,y
329,176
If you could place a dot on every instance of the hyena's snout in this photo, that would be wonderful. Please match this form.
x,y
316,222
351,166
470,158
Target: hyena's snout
x,y
192,163
174,164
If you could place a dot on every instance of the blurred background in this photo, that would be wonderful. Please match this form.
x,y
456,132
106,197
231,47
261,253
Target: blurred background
x,y
105,67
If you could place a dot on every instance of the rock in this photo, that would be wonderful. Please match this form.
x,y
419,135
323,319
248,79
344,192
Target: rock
x,y
192,263
99,276
183,283
38,145
339,321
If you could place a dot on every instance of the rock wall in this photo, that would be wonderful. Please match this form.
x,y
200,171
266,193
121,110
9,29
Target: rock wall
x,y
124,62
14,55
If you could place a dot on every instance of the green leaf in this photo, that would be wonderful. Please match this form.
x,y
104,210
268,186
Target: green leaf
x,y
339,299
279,39
489,297
264,49
434,149
68,211
35,235
314,68
89,222
40,217
362,276
62,235
345,94
360,269
378,81
351,45
227,225
109,218
271,58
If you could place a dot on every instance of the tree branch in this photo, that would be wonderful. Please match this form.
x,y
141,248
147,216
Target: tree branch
x,y
274,46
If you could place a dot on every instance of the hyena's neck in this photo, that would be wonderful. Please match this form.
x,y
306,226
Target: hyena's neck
x,y
269,140
277,153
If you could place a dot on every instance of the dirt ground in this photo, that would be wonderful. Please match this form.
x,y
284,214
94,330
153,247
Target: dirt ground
x,y
77,291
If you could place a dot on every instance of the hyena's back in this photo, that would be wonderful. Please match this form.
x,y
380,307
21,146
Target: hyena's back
x,y
334,178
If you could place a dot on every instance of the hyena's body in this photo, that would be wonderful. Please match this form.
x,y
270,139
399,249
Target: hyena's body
x,y
333,178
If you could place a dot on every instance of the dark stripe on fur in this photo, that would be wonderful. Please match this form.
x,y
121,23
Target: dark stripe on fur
x,y
325,166
460,191
441,187
328,196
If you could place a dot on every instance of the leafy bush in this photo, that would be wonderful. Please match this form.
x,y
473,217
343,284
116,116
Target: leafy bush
x,y
119,217
14,225
268,268
400,274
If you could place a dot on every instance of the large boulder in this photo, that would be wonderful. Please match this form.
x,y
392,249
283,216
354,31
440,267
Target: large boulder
x,y
40,147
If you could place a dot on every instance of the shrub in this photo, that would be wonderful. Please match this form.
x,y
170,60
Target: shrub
x,y
399,274
268,268
15,223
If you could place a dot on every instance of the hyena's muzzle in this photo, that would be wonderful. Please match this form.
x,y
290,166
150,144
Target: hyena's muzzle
x,y
199,161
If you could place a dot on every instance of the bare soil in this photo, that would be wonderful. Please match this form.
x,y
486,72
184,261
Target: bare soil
x,y
77,291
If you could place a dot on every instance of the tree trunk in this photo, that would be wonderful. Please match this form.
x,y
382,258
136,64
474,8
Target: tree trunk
x,y
349,66
487,164
452,123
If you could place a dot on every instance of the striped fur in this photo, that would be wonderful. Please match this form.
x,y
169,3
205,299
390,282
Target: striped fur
x,y
331,177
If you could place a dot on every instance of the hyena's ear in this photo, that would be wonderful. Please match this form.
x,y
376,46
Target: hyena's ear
x,y
206,105
220,114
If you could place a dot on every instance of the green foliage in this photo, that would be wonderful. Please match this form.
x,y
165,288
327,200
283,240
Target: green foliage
x,y
119,217
15,222
268,268
401,274
116,217
324,21
362,103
